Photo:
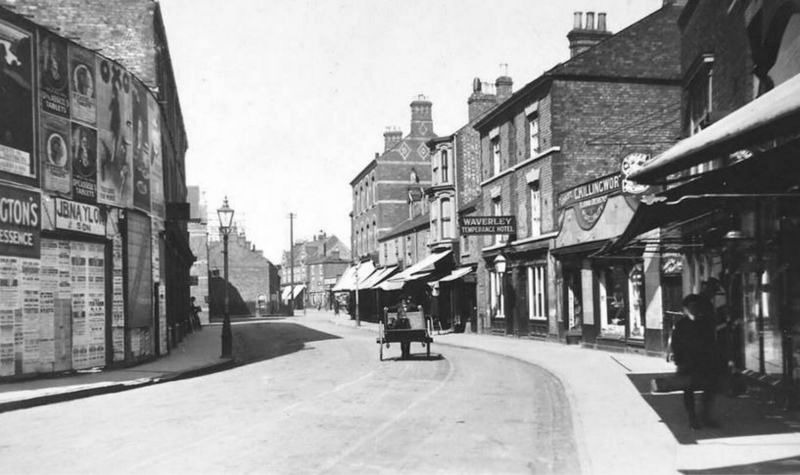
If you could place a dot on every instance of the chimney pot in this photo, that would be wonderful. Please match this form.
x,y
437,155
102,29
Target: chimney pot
x,y
590,20
578,20
601,21
391,137
504,87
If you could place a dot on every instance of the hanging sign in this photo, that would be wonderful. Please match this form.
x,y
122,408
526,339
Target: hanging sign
x,y
20,218
81,217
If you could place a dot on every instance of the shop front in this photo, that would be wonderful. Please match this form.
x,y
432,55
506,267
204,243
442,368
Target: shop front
x,y
605,301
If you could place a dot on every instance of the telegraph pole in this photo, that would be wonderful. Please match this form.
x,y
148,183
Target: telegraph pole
x,y
291,263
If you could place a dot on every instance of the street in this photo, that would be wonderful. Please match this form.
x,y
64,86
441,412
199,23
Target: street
x,y
315,399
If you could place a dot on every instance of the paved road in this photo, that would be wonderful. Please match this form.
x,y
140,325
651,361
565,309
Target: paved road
x,y
315,400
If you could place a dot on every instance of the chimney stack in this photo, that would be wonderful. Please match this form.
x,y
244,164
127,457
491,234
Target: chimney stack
x,y
503,86
421,117
479,102
391,137
583,37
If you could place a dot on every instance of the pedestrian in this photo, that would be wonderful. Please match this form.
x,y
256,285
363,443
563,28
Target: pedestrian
x,y
699,364
195,312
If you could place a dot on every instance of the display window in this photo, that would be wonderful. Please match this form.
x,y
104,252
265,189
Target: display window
x,y
612,283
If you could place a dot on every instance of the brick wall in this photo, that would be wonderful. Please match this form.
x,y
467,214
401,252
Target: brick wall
x,y
708,27
249,271
596,124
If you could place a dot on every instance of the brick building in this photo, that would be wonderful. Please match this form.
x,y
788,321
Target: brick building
x,y
252,277
729,215
382,190
328,248
95,136
558,140
323,273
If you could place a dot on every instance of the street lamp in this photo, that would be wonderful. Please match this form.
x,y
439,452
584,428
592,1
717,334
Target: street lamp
x,y
358,320
225,215
500,267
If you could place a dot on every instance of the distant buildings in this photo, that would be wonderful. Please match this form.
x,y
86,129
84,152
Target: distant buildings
x,y
316,263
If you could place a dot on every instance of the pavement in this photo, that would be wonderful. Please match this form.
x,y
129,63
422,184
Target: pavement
x,y
619,425
197,354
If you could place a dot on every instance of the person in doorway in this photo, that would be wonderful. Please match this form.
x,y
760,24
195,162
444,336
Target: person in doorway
x,y
697,358
195,311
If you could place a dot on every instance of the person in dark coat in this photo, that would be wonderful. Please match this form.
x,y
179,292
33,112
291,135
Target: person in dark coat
x,y
697,357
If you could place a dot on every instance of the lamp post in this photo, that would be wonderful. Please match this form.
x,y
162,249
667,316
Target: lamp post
x,y
358,320
225,215
500,268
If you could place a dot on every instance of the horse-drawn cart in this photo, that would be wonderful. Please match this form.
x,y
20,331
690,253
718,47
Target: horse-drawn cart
x,y
404,328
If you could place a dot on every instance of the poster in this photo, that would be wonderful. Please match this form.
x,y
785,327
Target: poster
x,y
80,304
82,84
20,218
55,154
16,101
157,206
29,287
114,128
48,291
10,307
83,152
96,304
141,147
80,217
53,75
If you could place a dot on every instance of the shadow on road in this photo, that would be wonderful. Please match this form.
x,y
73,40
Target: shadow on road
x,y
259,341
780,466
415,357
738,416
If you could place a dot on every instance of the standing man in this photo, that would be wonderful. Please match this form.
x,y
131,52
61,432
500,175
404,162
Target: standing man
x,y
697,357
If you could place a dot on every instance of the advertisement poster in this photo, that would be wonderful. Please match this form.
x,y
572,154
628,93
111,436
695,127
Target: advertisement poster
x,y
82,84
20,218
16,101
54,75
55,154
83,151
30,315
48,291
140,274
115,130
141,147
80,304
157,206
10,308
63,309
96,308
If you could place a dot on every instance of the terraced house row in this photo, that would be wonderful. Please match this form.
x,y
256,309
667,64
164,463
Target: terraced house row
x,y
612,224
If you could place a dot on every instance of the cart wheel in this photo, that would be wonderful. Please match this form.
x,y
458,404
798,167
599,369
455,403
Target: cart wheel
x,y
429,350
380,351
405,350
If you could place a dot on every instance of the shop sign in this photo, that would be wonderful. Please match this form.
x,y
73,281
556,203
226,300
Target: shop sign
x,y
329,281
20,219
589,199
488,225
81,217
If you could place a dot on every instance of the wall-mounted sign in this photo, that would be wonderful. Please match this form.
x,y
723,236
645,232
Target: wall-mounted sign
x,y
588,200
20,218
81,217
488,224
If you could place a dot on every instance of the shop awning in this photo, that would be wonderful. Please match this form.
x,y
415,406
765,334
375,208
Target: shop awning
x,y
419,270
298,289
775,113
285,293
377,277
397,284
456,274
361,271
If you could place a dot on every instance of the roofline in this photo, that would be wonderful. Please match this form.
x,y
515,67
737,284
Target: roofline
x,y
545,79
363,171
392,234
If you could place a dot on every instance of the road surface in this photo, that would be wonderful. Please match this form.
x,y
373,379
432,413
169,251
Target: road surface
x,y
315,399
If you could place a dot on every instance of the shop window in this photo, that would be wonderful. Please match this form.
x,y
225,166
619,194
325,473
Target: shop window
x,y
636,299
496,300
497,210
573,300
536,209
447,218
612,283
536,292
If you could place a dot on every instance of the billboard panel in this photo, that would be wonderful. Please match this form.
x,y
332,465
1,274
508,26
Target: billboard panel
x,y
53,74
55,154
141,147
157,207
20,218
83,150
82,84
16,102
115,177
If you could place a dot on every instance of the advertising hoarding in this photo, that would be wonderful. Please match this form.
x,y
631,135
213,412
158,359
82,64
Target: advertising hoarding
x,y
83,151
53,75
16,102
141,147
115,130
54,138
20,218
81,217
157,206
82,84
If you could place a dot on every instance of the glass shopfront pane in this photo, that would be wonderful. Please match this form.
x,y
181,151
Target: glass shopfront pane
x,y
613,286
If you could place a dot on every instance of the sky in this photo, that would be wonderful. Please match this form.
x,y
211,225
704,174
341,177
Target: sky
x,y
285,101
